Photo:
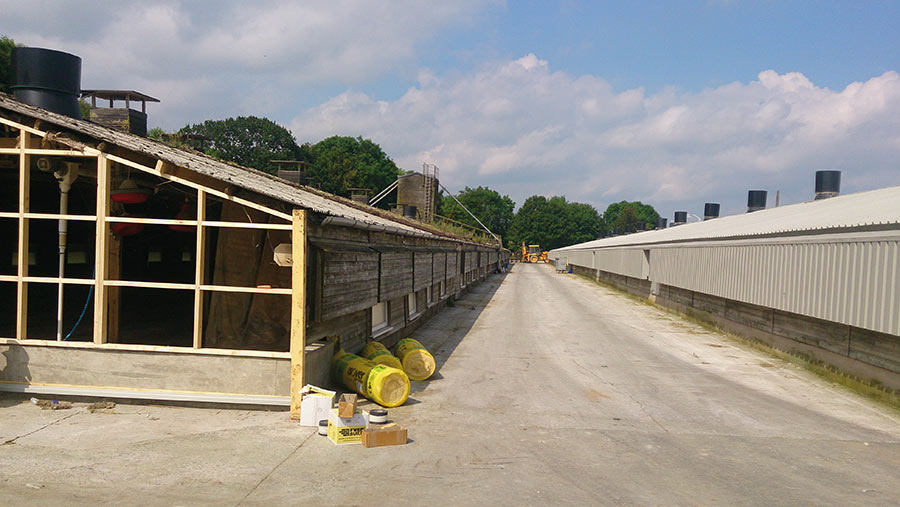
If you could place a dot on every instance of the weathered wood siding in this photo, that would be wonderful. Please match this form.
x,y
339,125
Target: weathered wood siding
x,y
423,266
397,312
880,349
353,329
452,264
439,271
349,282
396,275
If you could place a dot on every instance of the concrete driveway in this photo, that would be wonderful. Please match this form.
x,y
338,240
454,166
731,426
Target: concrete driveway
x,y
550,390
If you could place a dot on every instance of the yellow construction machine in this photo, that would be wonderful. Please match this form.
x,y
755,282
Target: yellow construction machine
x,y
533,254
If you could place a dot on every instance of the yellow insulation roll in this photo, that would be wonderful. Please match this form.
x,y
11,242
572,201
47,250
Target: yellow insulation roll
x,y
417,362
379,354
389,387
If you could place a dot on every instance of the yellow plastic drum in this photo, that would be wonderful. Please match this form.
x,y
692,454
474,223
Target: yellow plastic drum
x,y
417,362
389,387
379,354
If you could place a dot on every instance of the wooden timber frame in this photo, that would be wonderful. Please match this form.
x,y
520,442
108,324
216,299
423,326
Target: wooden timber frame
x,y
33,141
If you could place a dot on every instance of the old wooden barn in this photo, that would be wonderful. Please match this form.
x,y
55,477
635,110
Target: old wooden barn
x,y
129,268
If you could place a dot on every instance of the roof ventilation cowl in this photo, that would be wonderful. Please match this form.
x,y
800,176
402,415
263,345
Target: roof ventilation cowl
x,y
756,200
828,184
710,210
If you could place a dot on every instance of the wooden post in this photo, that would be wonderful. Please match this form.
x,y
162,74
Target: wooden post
x,y
298,309
101,251
24,206
114,268
200,263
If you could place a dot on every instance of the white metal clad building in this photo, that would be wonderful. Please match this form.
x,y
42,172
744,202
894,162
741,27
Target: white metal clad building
x,y
835,259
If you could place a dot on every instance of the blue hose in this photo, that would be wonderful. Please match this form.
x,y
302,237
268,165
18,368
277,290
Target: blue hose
x,y
83,311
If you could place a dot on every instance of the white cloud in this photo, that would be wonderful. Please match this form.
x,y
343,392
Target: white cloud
x,y
523,128
236,48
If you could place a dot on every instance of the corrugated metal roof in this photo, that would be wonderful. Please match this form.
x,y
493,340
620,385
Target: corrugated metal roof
x,y
871,210
250,179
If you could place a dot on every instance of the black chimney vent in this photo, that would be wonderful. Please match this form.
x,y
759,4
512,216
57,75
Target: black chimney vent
x,y
680,218
662,222
47,79
756,200
828,184
710,210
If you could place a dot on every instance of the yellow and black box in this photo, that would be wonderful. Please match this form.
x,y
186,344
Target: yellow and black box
x,y
343,430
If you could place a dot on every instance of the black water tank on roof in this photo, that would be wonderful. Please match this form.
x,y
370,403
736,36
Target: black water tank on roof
x,y
662,222
680,217
48,79
710,210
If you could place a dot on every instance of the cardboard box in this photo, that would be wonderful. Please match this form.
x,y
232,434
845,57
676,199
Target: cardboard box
x,y
315,405
383,434
343,431
347,405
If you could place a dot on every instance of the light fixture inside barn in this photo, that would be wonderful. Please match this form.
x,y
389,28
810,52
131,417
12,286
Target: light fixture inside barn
x,y
185,213
130,193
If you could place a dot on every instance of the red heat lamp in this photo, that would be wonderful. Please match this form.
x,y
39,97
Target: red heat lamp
x,y
184,214
126,229
129,193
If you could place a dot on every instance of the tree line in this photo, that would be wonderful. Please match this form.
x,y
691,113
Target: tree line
x,y
339,163
549,222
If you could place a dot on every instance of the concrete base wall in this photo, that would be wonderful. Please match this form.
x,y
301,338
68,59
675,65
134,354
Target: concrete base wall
x,y
859,352
161,375
633,286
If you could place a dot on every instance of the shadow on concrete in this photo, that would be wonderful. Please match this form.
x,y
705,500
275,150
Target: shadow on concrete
x,y
443,333
14,369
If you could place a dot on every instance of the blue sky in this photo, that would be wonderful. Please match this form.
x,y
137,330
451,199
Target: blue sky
x,y
672,103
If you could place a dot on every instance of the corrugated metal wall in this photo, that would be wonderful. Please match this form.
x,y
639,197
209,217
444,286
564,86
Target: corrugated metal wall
x,y
849,282
622,261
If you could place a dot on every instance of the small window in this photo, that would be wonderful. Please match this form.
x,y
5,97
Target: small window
x,y
411,303
379,316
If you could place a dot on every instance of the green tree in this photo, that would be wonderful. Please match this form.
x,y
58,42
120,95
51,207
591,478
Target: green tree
x,y
553,223
6,47
340,163
494,210
623,216
249,141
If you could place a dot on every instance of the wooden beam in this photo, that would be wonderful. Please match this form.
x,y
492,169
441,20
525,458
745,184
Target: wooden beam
x,y
298,310
22,127
24,204
56,280
148,348
47,152
217,193
101,251
164,167
114,294
200,262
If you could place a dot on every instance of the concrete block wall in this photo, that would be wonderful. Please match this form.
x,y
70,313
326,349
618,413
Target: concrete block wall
x,y
860,352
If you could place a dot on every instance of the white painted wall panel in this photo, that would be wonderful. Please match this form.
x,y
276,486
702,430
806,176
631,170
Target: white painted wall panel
x,y
850,282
